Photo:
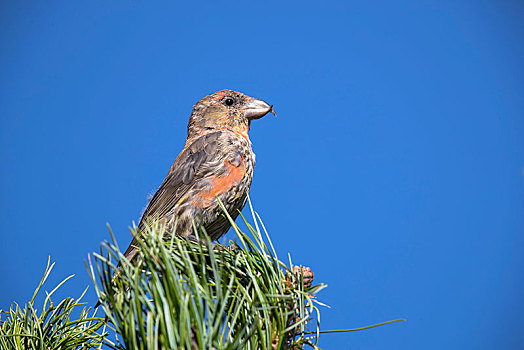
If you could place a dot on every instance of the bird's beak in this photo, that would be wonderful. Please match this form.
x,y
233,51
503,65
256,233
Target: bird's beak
x,y
256,109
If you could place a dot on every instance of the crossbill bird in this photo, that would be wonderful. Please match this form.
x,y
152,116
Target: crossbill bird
x,y
217,162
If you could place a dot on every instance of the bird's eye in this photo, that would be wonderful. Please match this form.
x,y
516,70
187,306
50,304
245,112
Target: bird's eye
x,y
229,101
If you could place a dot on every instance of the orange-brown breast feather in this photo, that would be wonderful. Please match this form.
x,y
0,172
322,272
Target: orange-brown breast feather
x,y
220,184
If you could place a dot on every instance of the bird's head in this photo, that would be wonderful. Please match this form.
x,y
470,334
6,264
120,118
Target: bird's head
x,y
225,109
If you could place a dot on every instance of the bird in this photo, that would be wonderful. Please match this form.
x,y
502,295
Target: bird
x,y
216,163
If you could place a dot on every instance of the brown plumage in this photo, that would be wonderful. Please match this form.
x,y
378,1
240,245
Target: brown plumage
x,y
217,161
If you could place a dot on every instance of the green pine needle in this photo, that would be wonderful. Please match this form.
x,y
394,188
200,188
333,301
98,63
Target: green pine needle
x,y
55,327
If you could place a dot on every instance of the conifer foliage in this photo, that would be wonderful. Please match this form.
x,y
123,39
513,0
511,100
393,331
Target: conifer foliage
x,y
187,294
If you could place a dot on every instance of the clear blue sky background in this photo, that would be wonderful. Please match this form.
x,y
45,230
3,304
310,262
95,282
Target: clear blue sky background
x,y
394,168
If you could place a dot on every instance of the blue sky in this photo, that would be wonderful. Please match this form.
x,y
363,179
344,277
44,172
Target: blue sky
x,y
395,168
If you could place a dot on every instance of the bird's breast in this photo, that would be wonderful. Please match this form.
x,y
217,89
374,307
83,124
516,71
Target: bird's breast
x,y
232,180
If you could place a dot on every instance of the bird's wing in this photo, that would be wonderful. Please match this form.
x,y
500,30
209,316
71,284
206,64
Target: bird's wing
x,y
193,163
